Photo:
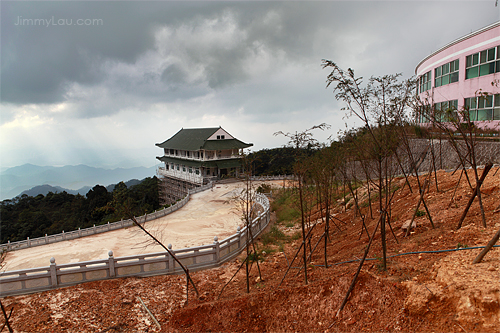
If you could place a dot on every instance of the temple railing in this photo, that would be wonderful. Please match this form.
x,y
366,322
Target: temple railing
x,y
97,229
195,258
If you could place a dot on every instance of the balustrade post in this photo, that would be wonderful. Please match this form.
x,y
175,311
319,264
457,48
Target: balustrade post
x,y
94,229
217,249
28,241
171,262
238,231
109,227
46,239
63,235
111,264
79,232
53,272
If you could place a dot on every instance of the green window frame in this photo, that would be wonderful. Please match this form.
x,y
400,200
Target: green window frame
x,y
446,111
482,63
423,114
424,82
483,108
446,74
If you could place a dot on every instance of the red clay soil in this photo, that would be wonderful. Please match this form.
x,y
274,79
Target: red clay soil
x,y
441,292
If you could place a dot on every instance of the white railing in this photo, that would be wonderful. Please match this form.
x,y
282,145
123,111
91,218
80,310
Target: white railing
x,y
279,177
99,228
184,175
204,158
195,258
220,157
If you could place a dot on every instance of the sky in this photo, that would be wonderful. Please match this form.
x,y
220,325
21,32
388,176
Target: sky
x,y
100,83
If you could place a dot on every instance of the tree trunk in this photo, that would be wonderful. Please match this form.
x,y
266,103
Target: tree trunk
x,y
478,188
487,248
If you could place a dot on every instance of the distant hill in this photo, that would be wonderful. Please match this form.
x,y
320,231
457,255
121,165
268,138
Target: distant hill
x,y
15,180
129,183
44,189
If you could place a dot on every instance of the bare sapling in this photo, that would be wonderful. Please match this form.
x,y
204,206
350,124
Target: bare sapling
x,y
302,142
246,209
461,133
379,105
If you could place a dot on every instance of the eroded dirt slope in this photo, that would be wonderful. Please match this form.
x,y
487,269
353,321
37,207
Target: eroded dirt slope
x,y
440,292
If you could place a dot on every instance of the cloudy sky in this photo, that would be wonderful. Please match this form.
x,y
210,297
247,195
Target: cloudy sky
x,y
100,83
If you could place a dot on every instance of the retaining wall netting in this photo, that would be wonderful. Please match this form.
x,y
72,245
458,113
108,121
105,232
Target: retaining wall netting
x,y
195,258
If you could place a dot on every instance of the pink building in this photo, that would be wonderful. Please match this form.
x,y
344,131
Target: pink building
x,y
453,76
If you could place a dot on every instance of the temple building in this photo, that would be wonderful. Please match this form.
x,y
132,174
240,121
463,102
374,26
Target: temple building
x,y
195,156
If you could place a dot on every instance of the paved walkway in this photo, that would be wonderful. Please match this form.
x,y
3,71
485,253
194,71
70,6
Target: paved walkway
x,y
207,214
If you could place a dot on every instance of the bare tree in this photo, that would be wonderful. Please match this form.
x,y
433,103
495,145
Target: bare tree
x,y
379,105
302,141
247,209
123,208
462,135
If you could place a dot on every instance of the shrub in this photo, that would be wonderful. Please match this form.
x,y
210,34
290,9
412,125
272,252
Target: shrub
x,y
420,213
273,236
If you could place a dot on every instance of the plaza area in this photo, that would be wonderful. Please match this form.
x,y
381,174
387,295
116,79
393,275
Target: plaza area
x,y
207,214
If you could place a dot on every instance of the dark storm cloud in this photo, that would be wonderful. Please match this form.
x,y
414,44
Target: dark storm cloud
x,y
203,47
39,59
152,67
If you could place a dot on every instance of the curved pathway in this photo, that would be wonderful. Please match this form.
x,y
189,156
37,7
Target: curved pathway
x,y
207,214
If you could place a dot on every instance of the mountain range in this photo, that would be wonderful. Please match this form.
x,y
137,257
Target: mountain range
x,y
70,178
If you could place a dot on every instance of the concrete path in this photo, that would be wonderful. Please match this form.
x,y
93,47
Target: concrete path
x,y
207,214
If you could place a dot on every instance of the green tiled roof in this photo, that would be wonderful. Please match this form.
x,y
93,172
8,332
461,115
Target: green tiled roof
x,y
225,144
194,139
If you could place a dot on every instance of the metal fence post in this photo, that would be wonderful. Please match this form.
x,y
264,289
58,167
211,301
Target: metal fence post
x,y
111,264
46,239
79,232
29,242
53,272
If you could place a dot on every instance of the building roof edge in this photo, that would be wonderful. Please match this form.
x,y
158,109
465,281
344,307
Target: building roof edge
x,y
458,40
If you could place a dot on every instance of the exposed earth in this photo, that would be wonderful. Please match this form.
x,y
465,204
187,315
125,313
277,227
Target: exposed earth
x,y
426,292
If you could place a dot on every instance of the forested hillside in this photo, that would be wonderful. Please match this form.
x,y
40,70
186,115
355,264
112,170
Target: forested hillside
x,y
34,216
276,161
27,216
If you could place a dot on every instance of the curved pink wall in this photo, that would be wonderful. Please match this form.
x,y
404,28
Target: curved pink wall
x,y
477,41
